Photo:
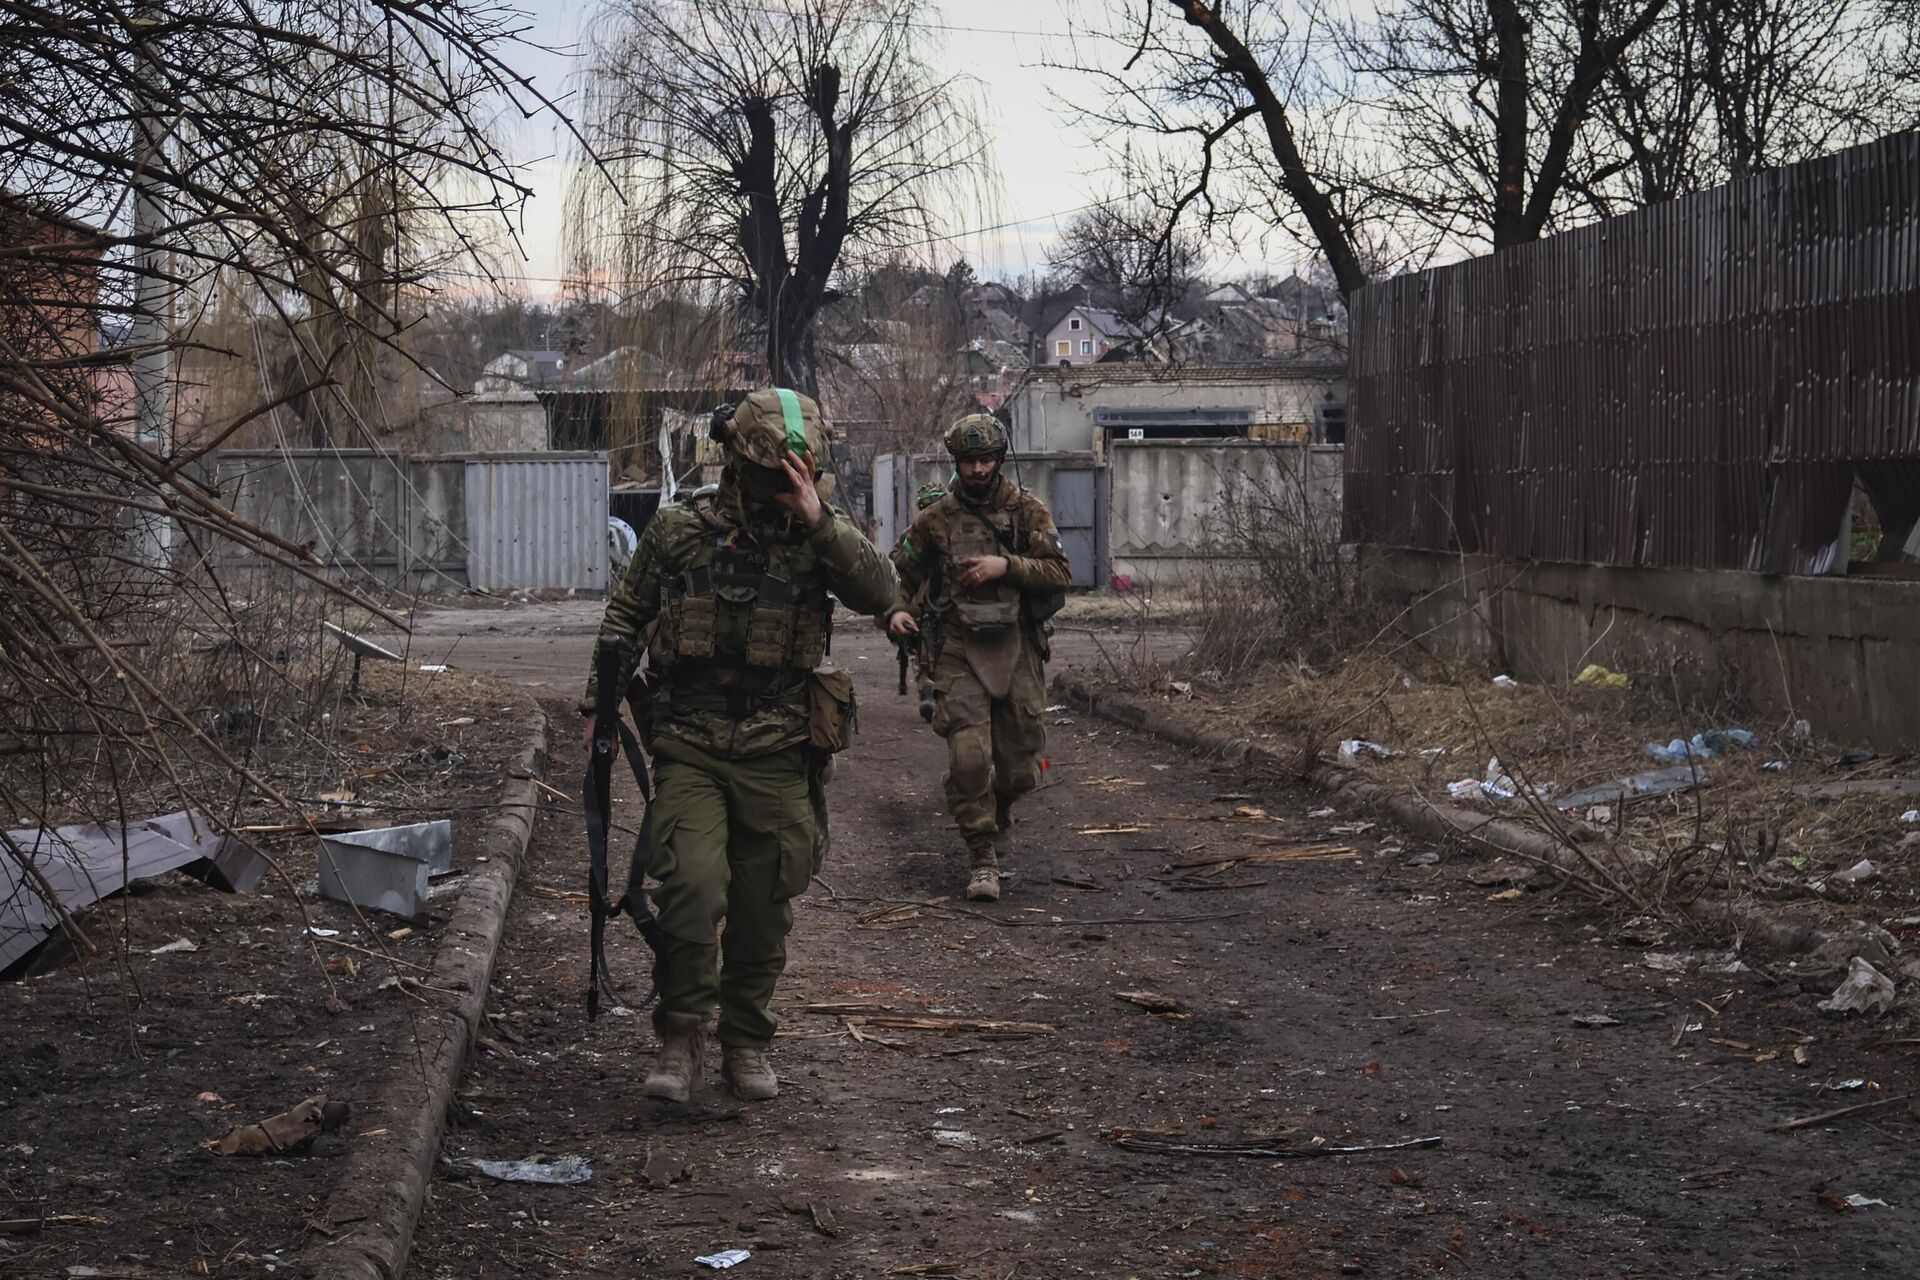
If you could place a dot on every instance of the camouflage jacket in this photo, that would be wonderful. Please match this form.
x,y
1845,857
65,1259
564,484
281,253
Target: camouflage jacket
x,y
738,712
951,530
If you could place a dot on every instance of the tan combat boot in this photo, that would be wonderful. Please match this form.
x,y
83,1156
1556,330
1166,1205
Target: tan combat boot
x,y
983,879
748,1072
678,1068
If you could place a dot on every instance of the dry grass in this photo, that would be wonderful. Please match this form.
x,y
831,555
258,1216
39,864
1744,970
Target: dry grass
x,y
1747,829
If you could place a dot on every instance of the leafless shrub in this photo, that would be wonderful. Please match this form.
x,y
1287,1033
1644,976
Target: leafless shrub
x,y
1280,587
305,166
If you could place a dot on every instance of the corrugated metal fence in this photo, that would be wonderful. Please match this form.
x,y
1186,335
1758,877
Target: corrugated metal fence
x,y
1698,384
508,521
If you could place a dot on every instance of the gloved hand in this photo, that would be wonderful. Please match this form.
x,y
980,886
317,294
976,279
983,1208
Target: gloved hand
x,y
720,421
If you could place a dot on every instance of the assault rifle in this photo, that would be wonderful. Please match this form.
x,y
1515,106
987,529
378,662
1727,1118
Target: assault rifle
x,y
610,735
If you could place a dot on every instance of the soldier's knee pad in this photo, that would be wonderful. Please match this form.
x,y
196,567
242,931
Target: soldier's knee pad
x,y
970,758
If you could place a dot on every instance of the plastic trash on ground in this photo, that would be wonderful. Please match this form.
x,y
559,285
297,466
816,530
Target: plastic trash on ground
x,y
1505,682
1704,746
725,1260
1910,817
564,1171
1600,677
1679,777
1864,990
1354,750
1860,871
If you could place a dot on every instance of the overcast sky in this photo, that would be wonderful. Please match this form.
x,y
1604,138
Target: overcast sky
x,y
1047,167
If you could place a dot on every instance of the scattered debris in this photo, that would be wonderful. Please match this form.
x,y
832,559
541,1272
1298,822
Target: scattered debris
x,y
1774,766
1659,782
661,1172
1594,1020
1702,746
1502,873
1148,1000
1858,1201
1134,1140
290,1131
1311,813
1858,873
1838,1113
1126,829
1910,817
561,1171
1425,858
1600,677
1354,750
725,1260
387,868
1505,682
434,668
1270,857
177,945
79,865
981,1026
1864,990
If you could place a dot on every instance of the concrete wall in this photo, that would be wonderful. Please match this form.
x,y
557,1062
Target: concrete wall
x,y
1166,517
1053,411
1164,497
407,522
494,422
1843,653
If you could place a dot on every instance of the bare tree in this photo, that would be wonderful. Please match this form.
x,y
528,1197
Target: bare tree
x,y
1379,138
160,161
751,151
1141,263
1724,88
895,363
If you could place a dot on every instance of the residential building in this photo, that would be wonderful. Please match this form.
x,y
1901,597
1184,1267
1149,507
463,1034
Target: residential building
x,y
1087,334
521,371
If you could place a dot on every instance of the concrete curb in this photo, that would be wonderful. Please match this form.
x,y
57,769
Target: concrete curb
x,y
384,1186
1833,945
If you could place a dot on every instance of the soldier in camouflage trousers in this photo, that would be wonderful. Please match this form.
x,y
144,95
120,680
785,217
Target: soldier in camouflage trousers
x,y
727,595
975,554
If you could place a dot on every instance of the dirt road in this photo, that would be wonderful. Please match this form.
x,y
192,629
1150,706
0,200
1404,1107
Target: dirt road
x,y
1351,1001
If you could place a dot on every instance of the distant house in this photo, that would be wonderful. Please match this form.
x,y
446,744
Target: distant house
x,y
1084,409
1221,295
1087,334
521,371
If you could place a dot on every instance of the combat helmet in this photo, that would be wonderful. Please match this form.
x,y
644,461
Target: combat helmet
x,y
978,435
773,422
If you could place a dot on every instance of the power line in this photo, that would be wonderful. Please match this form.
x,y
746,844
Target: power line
x,y
503,277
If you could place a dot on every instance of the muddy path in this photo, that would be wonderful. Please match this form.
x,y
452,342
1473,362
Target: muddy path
x,y
1354,1000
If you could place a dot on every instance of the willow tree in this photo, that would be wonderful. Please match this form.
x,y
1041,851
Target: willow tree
x,y
746,154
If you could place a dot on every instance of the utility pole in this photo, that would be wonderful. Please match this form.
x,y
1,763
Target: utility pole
x,y
152,293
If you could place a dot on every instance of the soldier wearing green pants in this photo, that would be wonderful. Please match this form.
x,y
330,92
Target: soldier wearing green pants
x,y
727,594
967,561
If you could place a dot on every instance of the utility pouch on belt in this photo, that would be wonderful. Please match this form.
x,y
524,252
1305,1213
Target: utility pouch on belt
x,y
987,615
831,714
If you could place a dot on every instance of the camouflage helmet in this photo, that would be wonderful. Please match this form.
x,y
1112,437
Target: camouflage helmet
x,y
928,495
978,435
772,422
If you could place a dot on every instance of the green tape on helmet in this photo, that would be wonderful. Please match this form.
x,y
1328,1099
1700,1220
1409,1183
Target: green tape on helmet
x,y
796,423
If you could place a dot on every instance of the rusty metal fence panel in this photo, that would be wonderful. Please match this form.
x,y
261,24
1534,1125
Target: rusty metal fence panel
x,y
1698,384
